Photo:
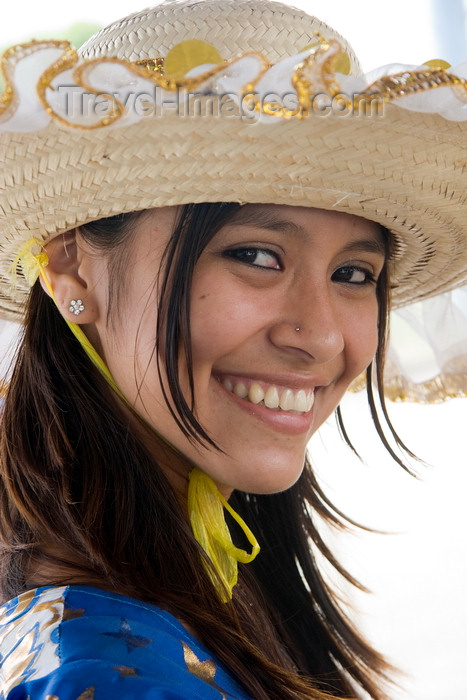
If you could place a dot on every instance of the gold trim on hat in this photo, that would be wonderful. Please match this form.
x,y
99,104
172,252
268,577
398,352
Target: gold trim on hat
x,y
315,74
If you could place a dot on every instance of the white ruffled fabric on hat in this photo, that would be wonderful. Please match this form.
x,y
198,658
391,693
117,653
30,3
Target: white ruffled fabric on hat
x,y
444,100
122,84
427,355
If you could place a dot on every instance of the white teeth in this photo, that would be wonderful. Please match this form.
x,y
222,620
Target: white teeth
x,y
241,390
300,401
287,400
271,397
255,393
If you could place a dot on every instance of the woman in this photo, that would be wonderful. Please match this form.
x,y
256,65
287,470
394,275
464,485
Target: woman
x,y
205,287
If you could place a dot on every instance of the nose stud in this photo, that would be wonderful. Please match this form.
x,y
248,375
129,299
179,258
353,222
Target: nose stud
x,y
297,328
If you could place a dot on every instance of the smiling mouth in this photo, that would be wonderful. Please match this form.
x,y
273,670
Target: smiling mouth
x,y
273,397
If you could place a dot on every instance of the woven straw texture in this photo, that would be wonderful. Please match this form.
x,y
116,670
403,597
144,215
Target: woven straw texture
x,y
405,170
233,26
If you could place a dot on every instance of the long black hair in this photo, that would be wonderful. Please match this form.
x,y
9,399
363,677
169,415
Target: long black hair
x,y
80,493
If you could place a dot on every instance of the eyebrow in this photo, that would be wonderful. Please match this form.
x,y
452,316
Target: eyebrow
x,y
367,245
262,218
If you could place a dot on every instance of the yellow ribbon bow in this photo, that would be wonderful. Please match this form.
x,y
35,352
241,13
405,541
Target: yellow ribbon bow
x,y
206,509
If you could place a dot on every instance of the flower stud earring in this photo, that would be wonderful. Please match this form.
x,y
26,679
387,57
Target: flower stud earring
x,y
76,306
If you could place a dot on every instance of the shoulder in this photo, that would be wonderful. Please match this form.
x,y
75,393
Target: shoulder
x,y
82,643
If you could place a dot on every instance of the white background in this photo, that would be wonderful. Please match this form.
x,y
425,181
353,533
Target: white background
x,y
418,611
417,614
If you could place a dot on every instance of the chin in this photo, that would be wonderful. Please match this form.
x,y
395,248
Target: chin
x,y
267,478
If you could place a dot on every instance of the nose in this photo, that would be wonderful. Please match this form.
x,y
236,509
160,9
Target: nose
x,y
309,326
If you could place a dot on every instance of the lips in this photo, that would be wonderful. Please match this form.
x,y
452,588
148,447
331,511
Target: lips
x,y
272,396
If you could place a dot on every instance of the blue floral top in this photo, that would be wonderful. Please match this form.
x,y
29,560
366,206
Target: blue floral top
x,y
81,643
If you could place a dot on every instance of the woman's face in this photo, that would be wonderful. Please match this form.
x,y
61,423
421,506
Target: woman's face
x,y
283,318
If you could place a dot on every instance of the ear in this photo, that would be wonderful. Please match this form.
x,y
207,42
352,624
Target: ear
x,y
65,272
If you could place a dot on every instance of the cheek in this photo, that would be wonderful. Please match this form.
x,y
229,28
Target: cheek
x,y
223,315
361,339
360,330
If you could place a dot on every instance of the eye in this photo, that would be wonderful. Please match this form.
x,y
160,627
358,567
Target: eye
x,y
256,257
352,274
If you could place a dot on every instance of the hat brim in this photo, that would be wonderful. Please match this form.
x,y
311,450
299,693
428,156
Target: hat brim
x,y
404,170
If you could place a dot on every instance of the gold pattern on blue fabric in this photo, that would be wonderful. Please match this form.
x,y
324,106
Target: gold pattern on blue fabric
x,y
22,658
204,670
32,652
70,614
132,641
88,694
48,608
24,600
125,671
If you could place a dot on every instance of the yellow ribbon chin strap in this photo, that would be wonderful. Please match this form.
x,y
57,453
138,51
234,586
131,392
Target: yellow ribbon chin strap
x,y
206,509
205,503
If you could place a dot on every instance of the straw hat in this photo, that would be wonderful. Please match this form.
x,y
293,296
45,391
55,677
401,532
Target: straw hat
x,y
392,150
